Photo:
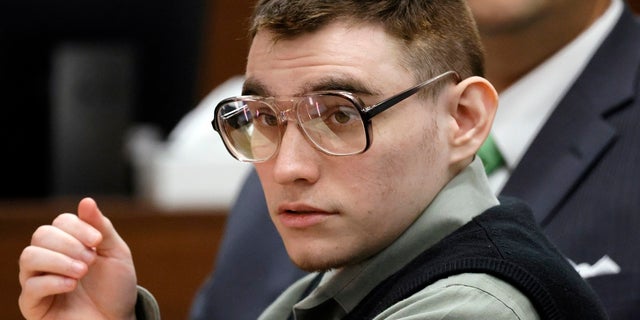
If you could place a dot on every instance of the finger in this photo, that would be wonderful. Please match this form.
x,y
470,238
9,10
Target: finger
x,y
112,244
37,290
55,238
37,261
81,230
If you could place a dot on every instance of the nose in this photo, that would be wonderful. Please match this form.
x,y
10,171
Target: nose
x,y
296,160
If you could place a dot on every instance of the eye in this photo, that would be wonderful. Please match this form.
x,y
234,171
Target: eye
x,y
266,117
329,111
342,115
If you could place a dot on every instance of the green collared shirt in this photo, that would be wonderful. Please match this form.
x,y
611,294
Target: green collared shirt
x,y
464,296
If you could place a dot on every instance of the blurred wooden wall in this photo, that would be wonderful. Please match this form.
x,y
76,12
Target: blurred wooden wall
x,y
635,5
225,44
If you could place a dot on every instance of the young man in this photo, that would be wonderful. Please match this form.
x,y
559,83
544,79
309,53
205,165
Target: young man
x,y
362,119
567,74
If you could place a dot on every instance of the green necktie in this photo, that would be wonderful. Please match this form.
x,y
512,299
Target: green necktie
x,y
490,155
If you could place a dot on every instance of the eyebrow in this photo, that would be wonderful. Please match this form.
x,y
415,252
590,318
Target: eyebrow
x,y
253,86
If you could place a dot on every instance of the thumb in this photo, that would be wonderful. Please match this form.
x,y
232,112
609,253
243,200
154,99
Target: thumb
x,y
111,244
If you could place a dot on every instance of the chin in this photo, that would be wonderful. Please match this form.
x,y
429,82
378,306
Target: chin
x,y
318,262
316,265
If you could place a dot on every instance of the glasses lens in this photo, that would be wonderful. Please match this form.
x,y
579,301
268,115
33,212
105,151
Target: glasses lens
x,y
250,129
333,123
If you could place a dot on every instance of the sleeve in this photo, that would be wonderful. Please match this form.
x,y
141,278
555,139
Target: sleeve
x,y
146,306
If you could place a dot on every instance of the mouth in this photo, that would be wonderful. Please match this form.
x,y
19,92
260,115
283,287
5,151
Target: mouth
x,y
290,211
298,216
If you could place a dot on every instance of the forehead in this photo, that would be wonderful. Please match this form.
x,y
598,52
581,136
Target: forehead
x,y
363,52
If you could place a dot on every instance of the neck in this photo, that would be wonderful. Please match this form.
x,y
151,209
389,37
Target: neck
x,y
512,53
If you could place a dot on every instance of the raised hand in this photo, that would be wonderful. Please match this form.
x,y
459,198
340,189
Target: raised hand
x,y
77,268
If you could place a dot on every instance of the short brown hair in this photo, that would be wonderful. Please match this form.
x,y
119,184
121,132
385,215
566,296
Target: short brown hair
x,y
436,35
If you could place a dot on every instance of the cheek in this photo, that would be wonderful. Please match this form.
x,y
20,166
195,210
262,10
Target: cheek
x,y
415,146
412,163
267,182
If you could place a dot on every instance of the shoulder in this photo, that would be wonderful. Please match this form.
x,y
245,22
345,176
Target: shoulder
x,y
465,296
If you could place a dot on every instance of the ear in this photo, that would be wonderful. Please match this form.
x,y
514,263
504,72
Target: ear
x,y
471,117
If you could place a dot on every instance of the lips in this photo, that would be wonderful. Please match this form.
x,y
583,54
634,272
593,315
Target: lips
x,y
300,216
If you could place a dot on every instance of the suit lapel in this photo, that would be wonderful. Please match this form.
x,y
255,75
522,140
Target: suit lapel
x,y
577,132
568,144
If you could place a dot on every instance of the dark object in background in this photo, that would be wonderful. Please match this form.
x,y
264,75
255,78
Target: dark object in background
x,y
162,40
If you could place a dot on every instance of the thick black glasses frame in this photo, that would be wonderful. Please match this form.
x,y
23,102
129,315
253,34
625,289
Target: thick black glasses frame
x,y
366,113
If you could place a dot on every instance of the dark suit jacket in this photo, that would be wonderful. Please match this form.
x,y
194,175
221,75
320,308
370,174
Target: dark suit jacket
x,y
581,176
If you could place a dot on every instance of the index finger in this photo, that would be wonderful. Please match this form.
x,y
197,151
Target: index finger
x,y
111,244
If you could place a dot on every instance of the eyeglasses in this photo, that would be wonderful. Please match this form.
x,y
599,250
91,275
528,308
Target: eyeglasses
x,y
335,122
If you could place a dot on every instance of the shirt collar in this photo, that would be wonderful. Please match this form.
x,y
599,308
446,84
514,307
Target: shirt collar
x,y
464,197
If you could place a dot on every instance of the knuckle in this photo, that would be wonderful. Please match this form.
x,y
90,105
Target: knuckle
x,y
40,235
63,220
27,255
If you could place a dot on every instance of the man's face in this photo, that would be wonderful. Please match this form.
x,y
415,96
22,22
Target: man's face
x,y
505,15
334,211
496,17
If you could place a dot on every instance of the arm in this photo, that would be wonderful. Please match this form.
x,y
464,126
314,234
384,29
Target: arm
x,y
78,268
